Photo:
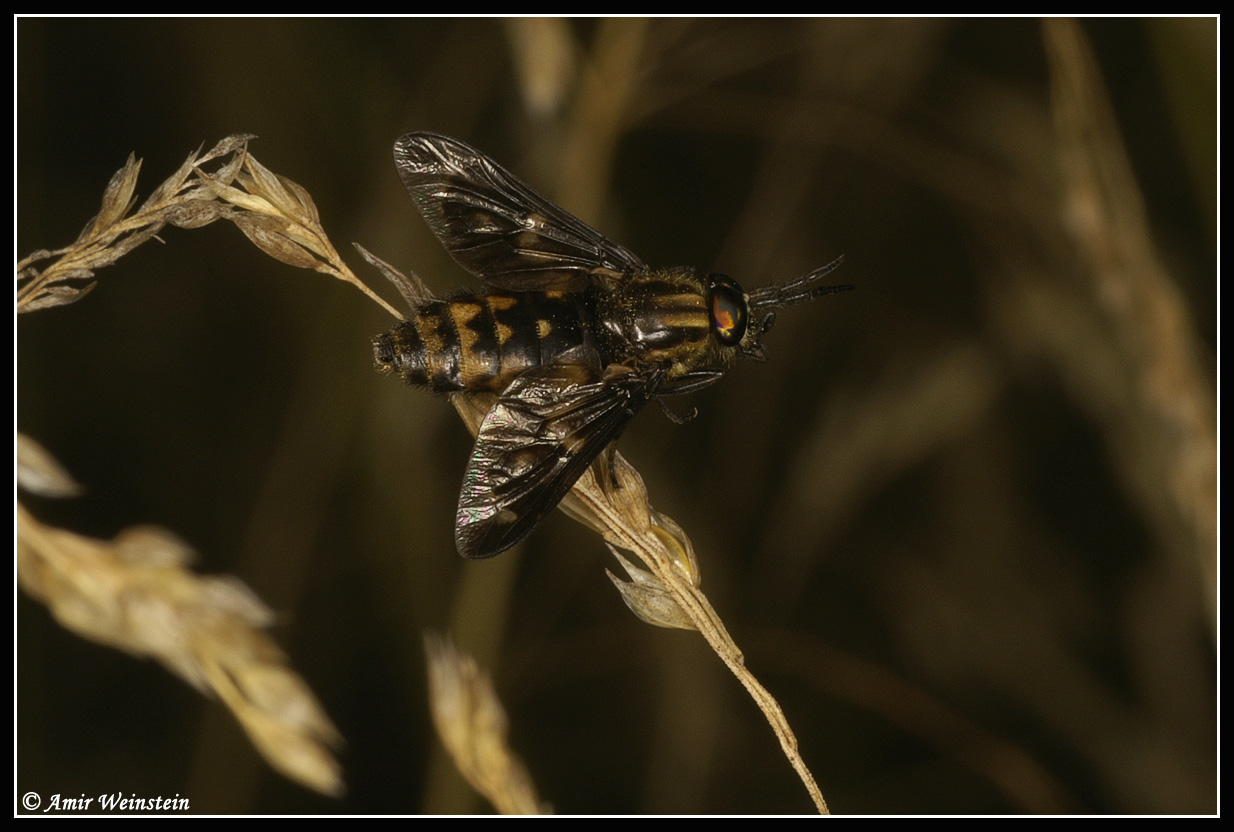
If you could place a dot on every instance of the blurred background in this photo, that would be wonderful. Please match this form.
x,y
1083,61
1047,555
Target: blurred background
x,y
962,523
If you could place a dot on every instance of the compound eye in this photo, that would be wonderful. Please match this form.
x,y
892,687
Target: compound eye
x,y
728,310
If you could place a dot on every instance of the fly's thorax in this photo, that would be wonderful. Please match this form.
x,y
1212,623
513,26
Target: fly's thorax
x,y
667,318
480,342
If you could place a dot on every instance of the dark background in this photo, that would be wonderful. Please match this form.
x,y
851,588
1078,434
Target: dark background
x,y
961,523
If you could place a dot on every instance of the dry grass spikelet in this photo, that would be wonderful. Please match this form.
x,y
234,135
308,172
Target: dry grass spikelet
x,y
136,593
472,726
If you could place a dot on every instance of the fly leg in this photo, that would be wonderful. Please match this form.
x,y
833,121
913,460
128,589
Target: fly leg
x,y
606,471
677,418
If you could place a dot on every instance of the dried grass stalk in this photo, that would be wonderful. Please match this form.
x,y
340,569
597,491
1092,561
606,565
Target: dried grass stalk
x,y
668,594
626,520
181,200
281,219
1163,421
135,593
472,726
275,213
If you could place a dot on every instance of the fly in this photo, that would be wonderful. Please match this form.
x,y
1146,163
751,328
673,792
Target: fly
x,y
574,334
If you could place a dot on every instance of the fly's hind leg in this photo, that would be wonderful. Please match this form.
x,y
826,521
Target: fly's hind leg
x,y
606,471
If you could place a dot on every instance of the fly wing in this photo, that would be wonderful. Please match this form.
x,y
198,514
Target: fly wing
x,y
538,439
497,227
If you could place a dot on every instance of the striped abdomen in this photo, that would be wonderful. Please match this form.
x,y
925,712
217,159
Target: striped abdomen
x,y
481,342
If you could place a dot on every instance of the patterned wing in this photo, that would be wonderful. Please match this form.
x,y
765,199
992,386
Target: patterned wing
x,y
497,227
538,439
